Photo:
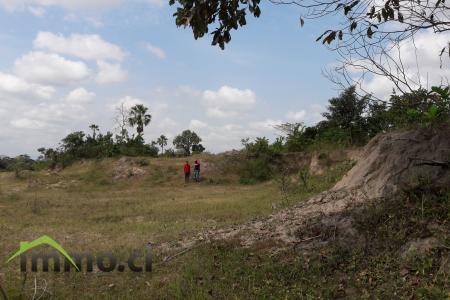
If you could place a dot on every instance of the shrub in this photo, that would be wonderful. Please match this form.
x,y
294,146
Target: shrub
x,y
142,162
420,108
256,170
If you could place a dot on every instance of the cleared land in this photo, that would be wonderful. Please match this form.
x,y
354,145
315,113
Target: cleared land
x,y
85,209
397,248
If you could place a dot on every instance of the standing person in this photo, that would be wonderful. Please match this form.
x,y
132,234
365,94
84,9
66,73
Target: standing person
x,y
197,171
187,172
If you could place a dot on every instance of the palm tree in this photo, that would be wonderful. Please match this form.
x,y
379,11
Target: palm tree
x,y
162,142
94,129
139,117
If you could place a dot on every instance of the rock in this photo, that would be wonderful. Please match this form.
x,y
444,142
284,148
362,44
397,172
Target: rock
x,y
126,168
136,172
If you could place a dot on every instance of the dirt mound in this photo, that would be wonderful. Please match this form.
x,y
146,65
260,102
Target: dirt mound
x,y
387,162
393,160
127,167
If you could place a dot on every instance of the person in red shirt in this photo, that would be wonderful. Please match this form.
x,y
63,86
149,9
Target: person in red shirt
x,y
187,172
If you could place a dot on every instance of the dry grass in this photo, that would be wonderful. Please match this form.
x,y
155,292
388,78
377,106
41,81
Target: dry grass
x,y
83,208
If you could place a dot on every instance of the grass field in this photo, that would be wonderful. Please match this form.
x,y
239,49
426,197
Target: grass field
x,y
85,209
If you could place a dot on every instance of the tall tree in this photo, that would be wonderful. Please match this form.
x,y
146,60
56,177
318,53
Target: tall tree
x,y
138,117
73,141
121,121
347,112
94,129
162,142
186,140
294,135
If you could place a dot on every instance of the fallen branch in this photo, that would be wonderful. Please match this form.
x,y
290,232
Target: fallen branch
x,y
430,162
409,140
169,258
307,239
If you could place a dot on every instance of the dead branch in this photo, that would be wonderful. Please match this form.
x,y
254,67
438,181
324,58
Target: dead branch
x,y
408,140
169,258
429,162
306,240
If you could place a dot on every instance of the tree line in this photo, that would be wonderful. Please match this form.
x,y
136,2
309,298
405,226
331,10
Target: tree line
x,y
80,145
350,120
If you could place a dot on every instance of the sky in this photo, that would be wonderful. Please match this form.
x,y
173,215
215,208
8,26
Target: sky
x,y
67,64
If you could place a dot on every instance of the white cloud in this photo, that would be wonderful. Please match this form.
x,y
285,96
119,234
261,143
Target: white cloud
x,y
228,101
310,116
47,115
24,123
266,124
128,102
95,21
51,113
297,116
36,11
232,127
196,124
50,69
165,123
88,47
216,112
13,85
156,51
14,5
424,71
187,91
110,73
80,96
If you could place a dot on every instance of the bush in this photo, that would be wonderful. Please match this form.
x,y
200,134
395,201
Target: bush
x,y
258,166
256,170
420,108
169,153
142,162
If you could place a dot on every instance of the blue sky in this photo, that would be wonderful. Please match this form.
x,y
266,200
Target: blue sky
x,y
51,83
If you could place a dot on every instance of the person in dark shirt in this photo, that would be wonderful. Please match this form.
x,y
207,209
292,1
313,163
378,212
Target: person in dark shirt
x,y
197,171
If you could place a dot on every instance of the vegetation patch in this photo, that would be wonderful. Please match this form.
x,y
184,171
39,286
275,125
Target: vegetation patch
x,y
375,267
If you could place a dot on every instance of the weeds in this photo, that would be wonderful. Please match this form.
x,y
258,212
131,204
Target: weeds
x,y
374,269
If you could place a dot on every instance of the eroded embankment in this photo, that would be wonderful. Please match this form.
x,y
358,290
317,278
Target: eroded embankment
x,y
389,163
